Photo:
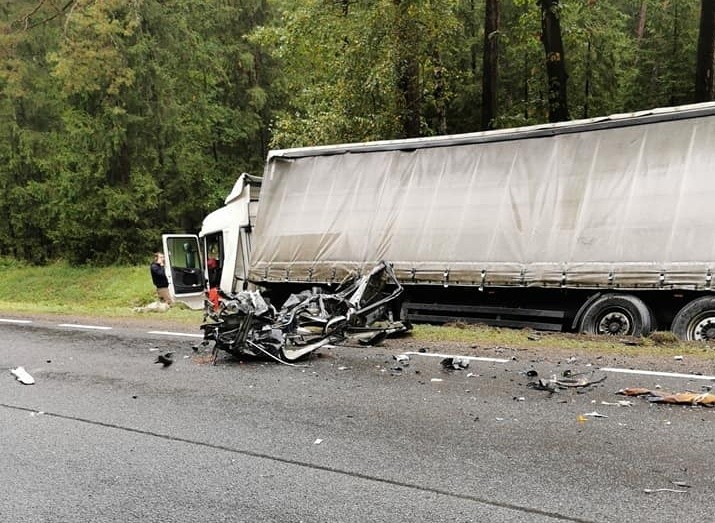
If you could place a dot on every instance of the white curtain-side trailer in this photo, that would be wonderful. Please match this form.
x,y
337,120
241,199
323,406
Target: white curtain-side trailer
x,y
600,225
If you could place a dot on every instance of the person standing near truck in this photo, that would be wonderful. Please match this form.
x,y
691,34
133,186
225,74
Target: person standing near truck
x,y
158,277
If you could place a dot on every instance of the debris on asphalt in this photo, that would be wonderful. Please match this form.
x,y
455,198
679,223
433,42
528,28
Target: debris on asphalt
x,y
317,441
401,358
436,379
23,376
706,399
455,363
594,414
634,391
654,490
555,384
165,359
621,403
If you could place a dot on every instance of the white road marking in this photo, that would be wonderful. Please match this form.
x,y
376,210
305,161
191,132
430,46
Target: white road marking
x,y
78,326
472,358
14,321
657,373
169,333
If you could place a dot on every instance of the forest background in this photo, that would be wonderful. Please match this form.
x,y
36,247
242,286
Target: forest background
x,y
124,119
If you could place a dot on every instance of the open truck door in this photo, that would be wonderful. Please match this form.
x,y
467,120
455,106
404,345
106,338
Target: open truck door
x,y
185,268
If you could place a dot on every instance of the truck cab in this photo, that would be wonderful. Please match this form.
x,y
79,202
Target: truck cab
x,y
218,256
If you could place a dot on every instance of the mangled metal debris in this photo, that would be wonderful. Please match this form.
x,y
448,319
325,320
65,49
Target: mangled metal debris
x,y
455,363
360,309
706,399
165,359
554,384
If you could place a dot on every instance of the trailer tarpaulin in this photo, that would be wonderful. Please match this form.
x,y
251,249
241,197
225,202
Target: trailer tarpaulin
x,y
625,205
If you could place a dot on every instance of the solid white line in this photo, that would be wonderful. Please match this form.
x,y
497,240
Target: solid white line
x,y
656,373
78,326
169,333
14,321
473,358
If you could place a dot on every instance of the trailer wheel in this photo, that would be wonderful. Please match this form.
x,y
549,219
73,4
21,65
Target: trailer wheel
x,y
696,320
617,315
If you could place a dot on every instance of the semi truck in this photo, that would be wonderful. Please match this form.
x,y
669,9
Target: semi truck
x,y
600,225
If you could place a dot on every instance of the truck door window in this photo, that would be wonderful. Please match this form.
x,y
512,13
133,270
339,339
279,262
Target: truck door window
x,y
185,264
214,258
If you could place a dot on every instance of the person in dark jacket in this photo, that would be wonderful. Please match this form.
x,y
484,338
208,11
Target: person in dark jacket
x,y
158,277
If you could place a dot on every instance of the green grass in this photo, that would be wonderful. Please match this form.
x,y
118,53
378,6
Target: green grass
x,y
657,344
61,289
116,291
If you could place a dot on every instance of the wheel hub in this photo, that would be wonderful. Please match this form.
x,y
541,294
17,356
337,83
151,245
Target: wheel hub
x,y
705,329
616,324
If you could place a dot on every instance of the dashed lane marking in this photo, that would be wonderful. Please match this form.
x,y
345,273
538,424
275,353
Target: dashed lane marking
x,y
3,320
471,358
657,373
169,333
79,326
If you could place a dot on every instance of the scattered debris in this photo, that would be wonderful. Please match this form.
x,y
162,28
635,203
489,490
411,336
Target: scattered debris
x,y
360,309
621,403
555,384
654,490
455,363
23,376
594,414
436,379
156,306
165,359
401,358
678,358
634,391
706,399
317,441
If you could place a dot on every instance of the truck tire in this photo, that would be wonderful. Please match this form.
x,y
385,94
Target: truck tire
x,y
617,315
696,320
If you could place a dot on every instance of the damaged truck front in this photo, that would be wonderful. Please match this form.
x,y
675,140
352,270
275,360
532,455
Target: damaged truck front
x,y
600,226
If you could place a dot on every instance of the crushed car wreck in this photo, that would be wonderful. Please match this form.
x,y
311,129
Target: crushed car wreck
x,y
360,309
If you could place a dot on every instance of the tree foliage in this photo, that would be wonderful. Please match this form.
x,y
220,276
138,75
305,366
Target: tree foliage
x,y
123,119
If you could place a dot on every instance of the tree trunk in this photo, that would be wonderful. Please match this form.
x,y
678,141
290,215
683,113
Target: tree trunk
x,y
407,71
491,55
555,63
704,87
640,29
439,92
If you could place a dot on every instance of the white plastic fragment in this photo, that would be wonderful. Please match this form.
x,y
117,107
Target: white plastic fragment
x,y
654,490
317,441
23,376
595,415
678,358
436,379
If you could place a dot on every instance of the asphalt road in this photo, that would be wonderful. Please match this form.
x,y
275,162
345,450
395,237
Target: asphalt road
x,y
351,435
